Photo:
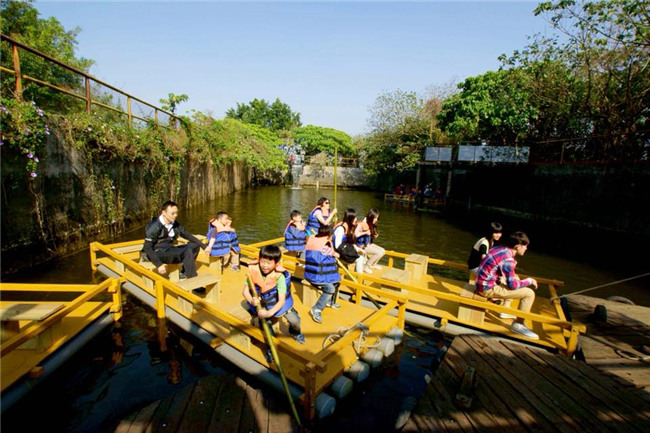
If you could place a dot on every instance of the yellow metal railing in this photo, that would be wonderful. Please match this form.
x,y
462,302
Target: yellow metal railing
x,y
308,365
570,330
89,292
87,79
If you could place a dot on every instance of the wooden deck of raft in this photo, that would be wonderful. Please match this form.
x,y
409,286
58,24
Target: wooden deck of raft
x,y
215,403
521,388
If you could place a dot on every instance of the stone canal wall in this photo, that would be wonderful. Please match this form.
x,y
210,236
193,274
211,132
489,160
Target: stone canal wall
x,y
78,198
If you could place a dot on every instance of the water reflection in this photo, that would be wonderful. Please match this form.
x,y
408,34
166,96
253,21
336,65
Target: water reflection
x,y
143,359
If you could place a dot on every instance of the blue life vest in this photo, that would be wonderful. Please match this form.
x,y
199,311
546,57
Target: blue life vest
x,y
320,268
294,239
223,242
312,222
267,288
364,240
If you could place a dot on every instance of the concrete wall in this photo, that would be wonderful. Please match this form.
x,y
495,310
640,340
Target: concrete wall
x,y
78,198
346,177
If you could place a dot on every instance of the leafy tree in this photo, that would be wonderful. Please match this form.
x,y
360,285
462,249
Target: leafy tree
x,y
315,139
593,79
20,21
402,125
277,116
493,106
172,101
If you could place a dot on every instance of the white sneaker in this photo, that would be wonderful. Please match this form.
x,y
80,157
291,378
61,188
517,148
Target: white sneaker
x,y
507,316
520,328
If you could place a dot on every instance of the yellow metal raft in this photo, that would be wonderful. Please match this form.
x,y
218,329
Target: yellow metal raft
x,y
341,350
38,334
436,301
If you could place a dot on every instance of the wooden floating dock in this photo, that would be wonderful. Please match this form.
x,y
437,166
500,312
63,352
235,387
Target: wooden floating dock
x,y
522,388
619,345
215,403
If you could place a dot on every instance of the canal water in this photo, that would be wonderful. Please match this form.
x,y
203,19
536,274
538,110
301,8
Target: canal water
x,y
141,360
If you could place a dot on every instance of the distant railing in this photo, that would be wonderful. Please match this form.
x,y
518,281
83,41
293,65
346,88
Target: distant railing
x,y
329,161
147,112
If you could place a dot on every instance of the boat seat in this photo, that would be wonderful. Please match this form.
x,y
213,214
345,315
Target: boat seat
x,y
307,293
12,314
212,290
173,270
396,275
416,266
469,313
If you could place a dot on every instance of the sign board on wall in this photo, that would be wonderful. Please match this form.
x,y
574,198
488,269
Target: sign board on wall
x,y
493,154
437,154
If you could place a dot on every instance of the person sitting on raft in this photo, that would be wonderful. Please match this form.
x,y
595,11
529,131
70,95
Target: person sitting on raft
x,y
483,245
344,240
295,235
160,246
321,270
500,262
223,241
320,216
273,298
366,234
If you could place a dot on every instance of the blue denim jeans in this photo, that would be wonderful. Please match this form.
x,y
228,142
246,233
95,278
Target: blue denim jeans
x,y
329,290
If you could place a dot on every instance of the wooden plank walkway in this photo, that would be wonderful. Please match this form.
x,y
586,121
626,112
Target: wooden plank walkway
x,y
619,346
521,388
215,403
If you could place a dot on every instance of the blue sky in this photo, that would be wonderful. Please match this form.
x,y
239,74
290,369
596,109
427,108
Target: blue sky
x,y
327,60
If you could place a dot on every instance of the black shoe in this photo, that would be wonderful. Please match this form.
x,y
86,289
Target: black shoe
x,y
182,276
269,355
199,291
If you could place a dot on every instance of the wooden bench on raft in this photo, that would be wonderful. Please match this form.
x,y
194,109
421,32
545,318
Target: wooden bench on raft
x,y
173,269
416,266
468,313
12,314
212,290
398,276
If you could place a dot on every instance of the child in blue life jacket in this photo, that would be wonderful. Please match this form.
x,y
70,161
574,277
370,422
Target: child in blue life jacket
x,y
320,216
321,270
295,235
223,241
273,297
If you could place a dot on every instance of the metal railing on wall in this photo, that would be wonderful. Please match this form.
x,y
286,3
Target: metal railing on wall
x,y
134,108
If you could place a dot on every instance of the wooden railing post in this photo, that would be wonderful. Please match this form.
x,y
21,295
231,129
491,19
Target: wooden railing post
x,y
160,300
155,116
128,109
116,290
19,75
88,100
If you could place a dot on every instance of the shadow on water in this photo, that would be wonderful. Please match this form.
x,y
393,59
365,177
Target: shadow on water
x,y
131,365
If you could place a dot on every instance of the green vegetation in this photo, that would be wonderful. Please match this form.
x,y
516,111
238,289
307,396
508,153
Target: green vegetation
x,y
275,117
315,139
583,92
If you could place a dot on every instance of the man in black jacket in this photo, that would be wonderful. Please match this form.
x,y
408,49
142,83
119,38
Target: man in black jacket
x,y
160,236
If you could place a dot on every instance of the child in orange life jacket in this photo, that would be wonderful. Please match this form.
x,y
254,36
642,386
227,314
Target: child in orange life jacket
x,y
223,241
366,233
321,270
273,295
295,234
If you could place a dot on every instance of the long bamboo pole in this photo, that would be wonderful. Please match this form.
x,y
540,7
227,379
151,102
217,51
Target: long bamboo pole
x,y
274,352
355,280
336,163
